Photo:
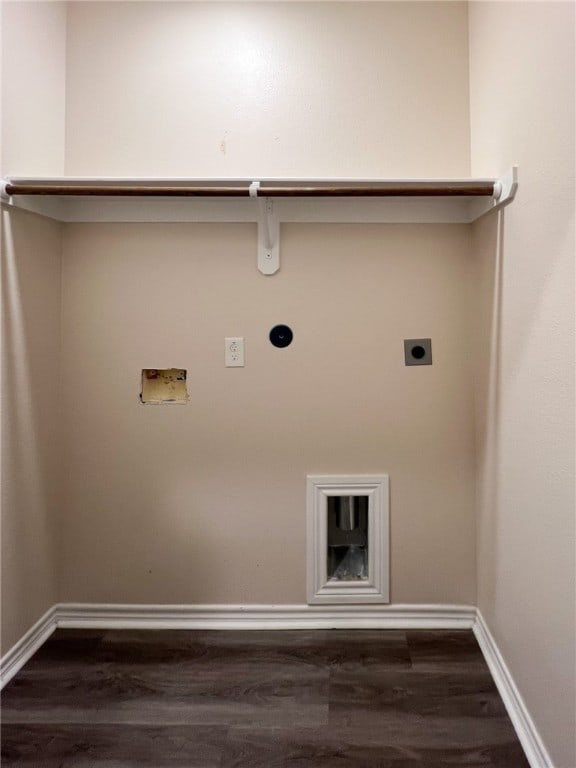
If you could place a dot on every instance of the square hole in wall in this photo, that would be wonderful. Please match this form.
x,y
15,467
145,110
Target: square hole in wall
x,y
163,385
418,351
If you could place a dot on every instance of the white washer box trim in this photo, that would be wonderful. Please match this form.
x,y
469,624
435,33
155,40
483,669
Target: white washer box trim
x,y
376,589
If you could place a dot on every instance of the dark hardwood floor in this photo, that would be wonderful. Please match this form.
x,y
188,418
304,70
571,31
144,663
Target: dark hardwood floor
x,y
203,699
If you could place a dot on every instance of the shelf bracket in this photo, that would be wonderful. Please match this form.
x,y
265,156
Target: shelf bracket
x,y
3,193
505,187
268,237
504,192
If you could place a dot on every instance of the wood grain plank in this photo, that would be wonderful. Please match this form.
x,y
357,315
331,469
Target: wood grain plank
x,y
168,699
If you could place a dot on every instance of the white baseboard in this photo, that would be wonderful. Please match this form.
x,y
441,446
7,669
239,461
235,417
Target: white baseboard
x,y
79,615
111,616
524,726
27,646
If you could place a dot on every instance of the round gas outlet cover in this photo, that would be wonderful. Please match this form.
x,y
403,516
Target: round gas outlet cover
x,y
281,336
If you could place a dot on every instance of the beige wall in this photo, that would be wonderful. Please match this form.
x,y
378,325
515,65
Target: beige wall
x,y
205,502
33,65
307,89
522,86
153,497
31,254
267,89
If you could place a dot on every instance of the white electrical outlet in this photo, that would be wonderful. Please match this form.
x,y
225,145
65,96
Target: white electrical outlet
x,y
234,352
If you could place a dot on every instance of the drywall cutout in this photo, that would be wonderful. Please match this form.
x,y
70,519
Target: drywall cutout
x,y
163,385
418,351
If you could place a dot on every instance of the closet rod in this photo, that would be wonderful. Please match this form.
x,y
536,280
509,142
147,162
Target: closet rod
x,y
382,189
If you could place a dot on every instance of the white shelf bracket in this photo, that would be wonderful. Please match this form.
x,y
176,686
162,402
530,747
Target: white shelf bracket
x,y
504,192
505,188
268,237
3,194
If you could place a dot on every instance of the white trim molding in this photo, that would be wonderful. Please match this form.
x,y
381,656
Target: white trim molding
x,y
80,615
525,728
320,491
13,661
117,616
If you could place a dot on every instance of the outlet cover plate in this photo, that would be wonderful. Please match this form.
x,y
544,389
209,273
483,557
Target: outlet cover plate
x,y
234,352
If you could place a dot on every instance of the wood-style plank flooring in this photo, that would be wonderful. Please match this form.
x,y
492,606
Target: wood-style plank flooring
x,y
209,699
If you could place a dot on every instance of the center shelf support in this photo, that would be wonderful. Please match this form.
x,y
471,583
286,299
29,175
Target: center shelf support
x,y
268,237
268,231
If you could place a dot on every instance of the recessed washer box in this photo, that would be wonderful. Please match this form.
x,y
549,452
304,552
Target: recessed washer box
x,y
348,548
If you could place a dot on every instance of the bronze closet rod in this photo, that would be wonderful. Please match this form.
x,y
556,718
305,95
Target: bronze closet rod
x,y
384,189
